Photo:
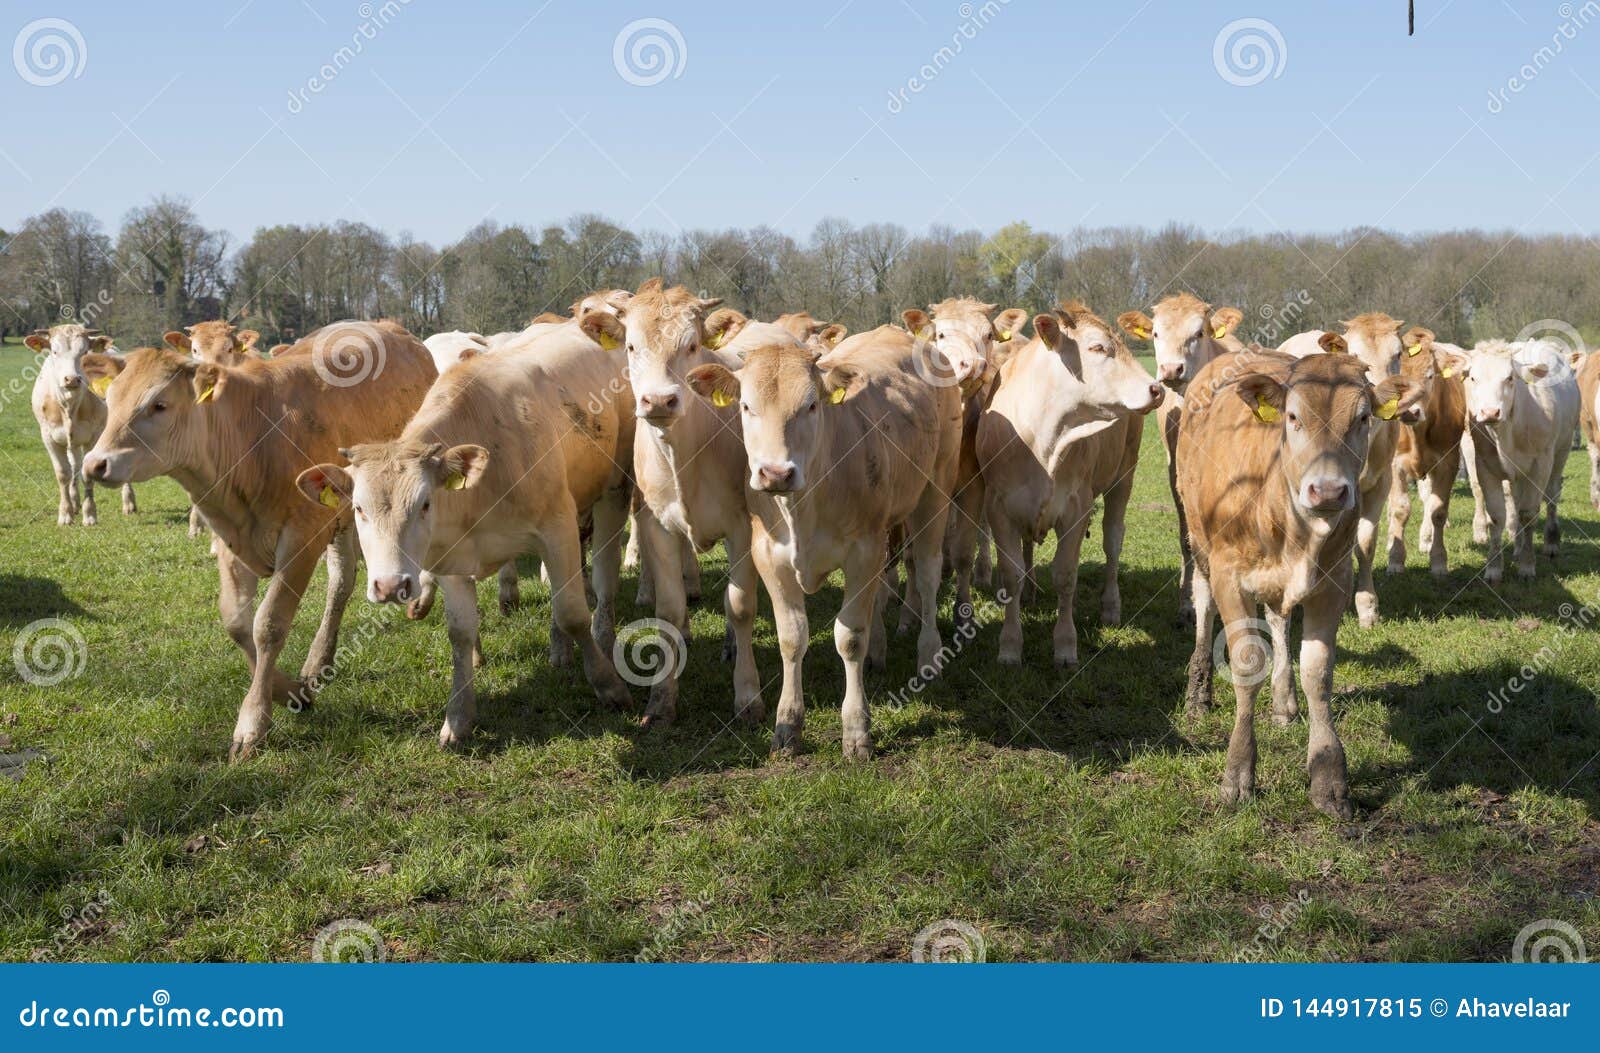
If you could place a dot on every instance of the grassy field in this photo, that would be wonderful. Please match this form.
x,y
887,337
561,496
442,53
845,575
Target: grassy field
x,y
1061,814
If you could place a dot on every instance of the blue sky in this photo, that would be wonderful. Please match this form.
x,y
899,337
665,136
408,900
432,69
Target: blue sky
x,y
1091,114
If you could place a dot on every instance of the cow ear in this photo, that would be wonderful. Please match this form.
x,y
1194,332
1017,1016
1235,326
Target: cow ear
x,y
917,323
177,340
325,484
830,335
101,369
603,328
1395,395
1136,324
1417,339
1452,363
716,382
653,285
207,382
709,304
37,341
1264,395
843,382
460,467
244,341
1333,344
723,326
100,343
1007,322
1225,320
1537,371
278,349
1047,327
1576,358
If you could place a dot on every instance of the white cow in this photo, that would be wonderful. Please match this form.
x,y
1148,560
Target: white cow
x,y
71,416
449,348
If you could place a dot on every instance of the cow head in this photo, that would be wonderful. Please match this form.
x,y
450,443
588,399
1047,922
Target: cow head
x,y
1326,411
1417,364
1490,375
1092,353
609,300
214,342
961,341
1374,338
392,488
664,332
160,408
783,397
1184,331
64,348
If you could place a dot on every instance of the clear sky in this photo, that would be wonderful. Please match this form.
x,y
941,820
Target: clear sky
x,y
447,112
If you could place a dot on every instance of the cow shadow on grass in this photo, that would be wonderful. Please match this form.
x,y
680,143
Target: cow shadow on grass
x,y
26,599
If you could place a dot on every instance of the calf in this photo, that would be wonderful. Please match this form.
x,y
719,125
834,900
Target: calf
x,y
688,458
71,415
1270,454
837,456
1186,333
506,453
236,437
1522,405
1062,428
1588,369
1427,451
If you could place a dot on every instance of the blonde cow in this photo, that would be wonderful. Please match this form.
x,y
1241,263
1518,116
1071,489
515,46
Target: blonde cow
x,y
1427,451
71,415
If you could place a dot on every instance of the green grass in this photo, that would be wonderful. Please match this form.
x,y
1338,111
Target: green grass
x,y
1064,814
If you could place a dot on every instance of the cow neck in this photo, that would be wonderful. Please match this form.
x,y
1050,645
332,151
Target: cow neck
x,y
1318,545
209,470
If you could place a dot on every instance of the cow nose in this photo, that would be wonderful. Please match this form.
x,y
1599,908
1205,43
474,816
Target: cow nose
x,y
1489,416
72,383
1157,393
1171,372
654,403
392,588
95,466
777,474
1328,492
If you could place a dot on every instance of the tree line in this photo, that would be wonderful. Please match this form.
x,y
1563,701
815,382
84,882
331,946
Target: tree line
x,y
165,268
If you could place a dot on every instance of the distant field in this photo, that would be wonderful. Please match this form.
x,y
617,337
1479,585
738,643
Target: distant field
x,y
1061,814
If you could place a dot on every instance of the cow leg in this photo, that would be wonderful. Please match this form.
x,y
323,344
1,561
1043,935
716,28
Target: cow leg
x,y
569,608
1008,557
1594,474
1552,501
67,506
1238,623
1284,707
1064,574
91,514
1186,610
863,575
910,600
273,621
983,567
926,546
1433,490
659,549
630,555
1366,552
510,586
789,617
739,603
1526,497
130,504
965,513
1113,525
1030,583
1400,515
196,523
1494,510
236,599
690,561
610,515
1480,511
461,618
1202,662
319,664
1330,790
646,595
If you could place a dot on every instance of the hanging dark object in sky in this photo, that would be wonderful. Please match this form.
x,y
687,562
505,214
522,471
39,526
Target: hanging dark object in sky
x,y
1411,18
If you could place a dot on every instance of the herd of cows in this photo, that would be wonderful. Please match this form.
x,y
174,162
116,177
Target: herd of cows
x,y
656,419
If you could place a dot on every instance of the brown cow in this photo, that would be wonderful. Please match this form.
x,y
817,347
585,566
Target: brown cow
x,y
836,457
1271,450
212,342
1427,452
236,438
1588,369
1186,333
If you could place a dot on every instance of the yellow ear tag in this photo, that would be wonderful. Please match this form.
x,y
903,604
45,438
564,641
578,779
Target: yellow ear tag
x,y
1003,335
1414,350
714,341
1390,410
837,396
101,385
608,342
1264,411
721,399
1447,372
328,497
1141,332
1219,332
208,394
455,481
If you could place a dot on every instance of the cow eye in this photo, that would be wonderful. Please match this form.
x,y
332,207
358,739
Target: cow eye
x,y
812,408
157,407
425,506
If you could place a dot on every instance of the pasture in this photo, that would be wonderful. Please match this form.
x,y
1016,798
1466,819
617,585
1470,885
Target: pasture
x,y
1065,814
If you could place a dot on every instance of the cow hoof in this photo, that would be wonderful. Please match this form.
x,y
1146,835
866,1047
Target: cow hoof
x,y
1284,718
1394,568
655,721
1111,616
1009,658
1439,570
508,604
875,663
242,750
452,740
858,747
91,520
752,712
614,695
64,519
785,741
418,608
1367,619
1525,575
1236,793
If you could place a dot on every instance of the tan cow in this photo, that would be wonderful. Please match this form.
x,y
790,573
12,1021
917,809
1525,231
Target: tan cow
x,y
506,454
1427,451
1062,428
836,457
1588,369
236,438
689,459
1186,333
71,415
1271,450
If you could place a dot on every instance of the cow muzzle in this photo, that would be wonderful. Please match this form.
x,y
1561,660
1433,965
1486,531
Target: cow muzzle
x,y
392,588
776,478
1328,496
1172,374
